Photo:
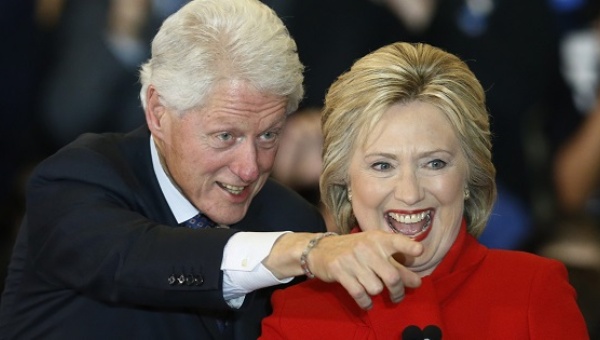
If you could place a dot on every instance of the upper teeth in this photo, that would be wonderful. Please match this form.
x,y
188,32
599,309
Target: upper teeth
x,y
233,189
412,218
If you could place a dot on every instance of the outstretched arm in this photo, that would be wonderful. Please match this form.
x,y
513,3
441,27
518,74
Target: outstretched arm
x,y
363,263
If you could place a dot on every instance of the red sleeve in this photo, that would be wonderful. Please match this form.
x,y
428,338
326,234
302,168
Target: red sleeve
x,y
553,311
271,328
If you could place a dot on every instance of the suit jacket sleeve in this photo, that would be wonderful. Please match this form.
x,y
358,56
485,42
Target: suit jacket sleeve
x,y
100,226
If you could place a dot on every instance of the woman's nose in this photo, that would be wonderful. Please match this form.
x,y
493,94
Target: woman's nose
x,y
408,188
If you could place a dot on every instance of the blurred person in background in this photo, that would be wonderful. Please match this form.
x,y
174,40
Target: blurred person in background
x,y
91,85
576,166
298,161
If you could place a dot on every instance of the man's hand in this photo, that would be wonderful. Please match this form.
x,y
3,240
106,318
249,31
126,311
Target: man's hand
x,y
363,263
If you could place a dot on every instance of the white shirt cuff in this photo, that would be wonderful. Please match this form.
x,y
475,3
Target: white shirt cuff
x,y
243,271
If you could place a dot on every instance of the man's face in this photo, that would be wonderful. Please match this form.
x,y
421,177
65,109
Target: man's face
x,y
221,155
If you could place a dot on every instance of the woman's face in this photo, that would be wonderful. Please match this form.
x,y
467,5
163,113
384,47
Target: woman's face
x,y
409,178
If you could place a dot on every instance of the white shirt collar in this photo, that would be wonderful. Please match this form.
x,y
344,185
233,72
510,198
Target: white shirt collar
x,y
181,208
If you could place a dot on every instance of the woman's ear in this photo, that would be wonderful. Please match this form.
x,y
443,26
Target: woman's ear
x,y
155,111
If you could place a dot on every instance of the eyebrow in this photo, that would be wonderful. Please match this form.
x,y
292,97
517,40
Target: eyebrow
x,y
421,154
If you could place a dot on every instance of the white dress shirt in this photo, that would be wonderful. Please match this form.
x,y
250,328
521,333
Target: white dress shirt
x,y
243,271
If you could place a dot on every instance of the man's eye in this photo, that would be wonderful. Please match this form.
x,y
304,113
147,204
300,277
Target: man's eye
x,y
225,136
267,136
269,139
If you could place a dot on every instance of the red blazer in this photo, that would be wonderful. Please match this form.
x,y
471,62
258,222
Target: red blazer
x,y
475,293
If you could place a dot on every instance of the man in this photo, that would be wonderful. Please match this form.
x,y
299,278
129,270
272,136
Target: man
x,y
102,253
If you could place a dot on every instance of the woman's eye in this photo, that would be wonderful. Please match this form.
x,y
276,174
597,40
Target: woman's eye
x,y
381,166
437,164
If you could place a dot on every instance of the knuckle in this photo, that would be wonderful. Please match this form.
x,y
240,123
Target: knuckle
x,y
392,277
375,289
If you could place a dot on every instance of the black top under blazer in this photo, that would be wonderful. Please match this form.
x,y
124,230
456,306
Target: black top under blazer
x,y
98,249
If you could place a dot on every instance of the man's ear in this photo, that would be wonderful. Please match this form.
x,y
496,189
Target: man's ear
x,y
155,112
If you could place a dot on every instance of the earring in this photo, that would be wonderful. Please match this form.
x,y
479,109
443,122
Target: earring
x,y
350,195
467,193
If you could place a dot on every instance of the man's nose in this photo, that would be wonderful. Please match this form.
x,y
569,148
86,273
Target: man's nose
x,y
245,164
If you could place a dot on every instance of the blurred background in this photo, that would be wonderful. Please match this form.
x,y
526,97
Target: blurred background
x,y
70,66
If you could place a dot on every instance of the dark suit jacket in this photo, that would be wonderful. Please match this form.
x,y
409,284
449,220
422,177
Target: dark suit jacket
x,y
474,293
98,245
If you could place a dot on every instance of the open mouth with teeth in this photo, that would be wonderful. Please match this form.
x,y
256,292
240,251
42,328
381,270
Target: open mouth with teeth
x,y
416,226
234,190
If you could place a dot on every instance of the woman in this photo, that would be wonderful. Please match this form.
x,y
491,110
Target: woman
x,y
407,150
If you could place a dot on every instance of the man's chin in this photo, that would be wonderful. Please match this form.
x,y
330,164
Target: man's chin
x,y
230,216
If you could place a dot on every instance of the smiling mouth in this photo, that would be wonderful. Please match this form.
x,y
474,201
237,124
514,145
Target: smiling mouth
x,y
232,189
411,225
